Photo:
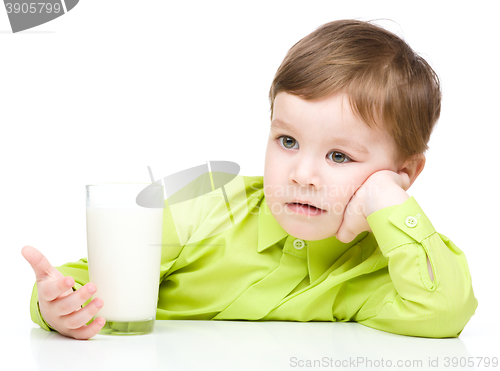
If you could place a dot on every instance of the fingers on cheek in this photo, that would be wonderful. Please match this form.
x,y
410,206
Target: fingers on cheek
x,y
405,180
344,236
347,237
408,182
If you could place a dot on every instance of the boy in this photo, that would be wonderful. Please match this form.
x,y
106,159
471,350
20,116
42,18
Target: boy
x,y
329,233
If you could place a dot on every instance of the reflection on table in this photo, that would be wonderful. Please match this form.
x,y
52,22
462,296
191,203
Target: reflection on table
x,y
239,345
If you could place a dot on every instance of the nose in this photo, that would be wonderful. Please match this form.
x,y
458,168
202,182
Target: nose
x,y
305,173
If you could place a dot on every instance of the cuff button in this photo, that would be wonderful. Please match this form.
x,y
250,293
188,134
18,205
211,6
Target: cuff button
x,y
411,222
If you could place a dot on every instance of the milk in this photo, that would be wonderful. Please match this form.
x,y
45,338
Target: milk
x,y
124,255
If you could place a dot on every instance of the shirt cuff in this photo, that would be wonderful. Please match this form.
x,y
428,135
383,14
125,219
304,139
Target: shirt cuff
x,y
399,225
36,316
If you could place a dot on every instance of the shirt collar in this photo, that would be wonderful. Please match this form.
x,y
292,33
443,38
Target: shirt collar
x,y
270,232
321,254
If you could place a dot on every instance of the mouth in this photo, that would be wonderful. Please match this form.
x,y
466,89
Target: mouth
x,y
304,208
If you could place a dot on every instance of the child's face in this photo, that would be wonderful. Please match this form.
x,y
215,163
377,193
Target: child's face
x,y
319,153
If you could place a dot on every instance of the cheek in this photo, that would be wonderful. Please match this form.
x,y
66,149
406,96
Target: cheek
x,y
271,186
268,160
341,184
342,187
269,173
270,181
273,169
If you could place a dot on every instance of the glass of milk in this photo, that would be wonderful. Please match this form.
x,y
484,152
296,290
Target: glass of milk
x,y
124,253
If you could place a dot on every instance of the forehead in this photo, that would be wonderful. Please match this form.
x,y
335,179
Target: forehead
x,y
335,105
288,106
326,113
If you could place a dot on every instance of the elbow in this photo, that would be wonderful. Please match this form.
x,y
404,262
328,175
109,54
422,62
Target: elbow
x,y
449,317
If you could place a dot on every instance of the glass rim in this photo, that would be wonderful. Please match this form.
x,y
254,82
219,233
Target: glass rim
x,y
120,183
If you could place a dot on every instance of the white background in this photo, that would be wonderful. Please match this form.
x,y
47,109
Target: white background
x,y
117,85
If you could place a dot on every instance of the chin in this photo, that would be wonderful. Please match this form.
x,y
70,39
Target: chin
x,y
309,234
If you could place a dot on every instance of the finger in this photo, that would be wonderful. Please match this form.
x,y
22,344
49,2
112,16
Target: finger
x,y
51,290
345,236
39,263
405,180
349,233
88,331
344,233
79,318
354,223
75,300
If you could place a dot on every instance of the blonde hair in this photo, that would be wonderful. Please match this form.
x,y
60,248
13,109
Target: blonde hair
x,y
387,83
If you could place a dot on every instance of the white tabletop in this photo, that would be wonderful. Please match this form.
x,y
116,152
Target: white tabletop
x,y
239,345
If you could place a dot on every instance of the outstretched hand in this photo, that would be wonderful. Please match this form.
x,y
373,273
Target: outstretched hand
x,y
60,306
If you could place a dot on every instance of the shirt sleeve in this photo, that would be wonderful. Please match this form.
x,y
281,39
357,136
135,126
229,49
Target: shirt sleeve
x,y
411,303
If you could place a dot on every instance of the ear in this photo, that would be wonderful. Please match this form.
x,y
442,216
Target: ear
x,y
413,166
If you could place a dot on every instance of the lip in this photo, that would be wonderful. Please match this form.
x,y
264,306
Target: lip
x,y
304,208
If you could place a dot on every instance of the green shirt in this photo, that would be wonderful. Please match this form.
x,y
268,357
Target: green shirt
x,y
246,267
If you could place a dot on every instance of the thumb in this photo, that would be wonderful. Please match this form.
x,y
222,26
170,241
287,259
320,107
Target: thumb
x,y
41,266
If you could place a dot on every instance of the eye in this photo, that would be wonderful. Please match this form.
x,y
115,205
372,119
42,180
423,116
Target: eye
x,y
288,142
338,157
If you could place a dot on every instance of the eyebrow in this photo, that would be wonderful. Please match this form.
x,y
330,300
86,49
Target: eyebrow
x,y
353,144
278,124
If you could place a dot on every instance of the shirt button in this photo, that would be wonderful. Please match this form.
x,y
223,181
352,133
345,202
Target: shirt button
x,y
299,244
411,222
